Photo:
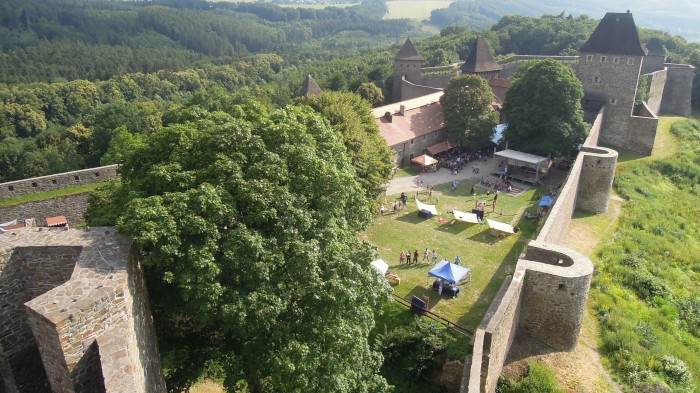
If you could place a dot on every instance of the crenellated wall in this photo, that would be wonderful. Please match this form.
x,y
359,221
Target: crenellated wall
x,y
58,181
86,321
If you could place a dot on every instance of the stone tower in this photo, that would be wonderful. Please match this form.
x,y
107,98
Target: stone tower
x,y
310,88
408,63
609,67
480,61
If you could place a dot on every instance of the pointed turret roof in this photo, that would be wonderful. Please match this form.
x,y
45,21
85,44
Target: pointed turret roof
x,y
480,58
408,52
616,34
310,88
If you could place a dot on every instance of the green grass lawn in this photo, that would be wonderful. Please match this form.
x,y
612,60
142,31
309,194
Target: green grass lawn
x,y
50,194
406,171
490,258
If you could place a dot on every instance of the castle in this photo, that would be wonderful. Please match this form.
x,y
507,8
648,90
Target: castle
x,y
610,65
74,313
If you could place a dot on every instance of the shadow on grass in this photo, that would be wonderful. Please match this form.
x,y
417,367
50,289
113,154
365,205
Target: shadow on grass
x,y
412,266
455,227
410,217
419,292
476,313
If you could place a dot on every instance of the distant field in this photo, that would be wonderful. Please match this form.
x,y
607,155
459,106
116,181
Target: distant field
x,y
413,9
317,6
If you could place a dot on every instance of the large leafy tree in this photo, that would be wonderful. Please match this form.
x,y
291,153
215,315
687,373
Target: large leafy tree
x,y
468,111
352,118
543,108
248,222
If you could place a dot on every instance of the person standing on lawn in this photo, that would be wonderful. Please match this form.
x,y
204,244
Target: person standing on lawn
x,y
425,254
415,256
402,257
434,257
408,257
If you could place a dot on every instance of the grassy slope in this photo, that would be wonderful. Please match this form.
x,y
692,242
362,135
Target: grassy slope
x,y
645,270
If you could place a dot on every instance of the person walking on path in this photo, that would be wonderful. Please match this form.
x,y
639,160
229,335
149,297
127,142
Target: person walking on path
x,y
434,257
425,254
402,257
408,257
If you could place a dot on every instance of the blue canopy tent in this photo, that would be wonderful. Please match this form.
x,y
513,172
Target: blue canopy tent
x,y
449,272
546,201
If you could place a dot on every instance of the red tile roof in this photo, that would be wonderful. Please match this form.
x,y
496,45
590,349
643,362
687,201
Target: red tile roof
x,y
56,221
423,115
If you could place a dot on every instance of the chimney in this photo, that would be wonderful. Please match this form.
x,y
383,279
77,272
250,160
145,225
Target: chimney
x,y
402,110
388,116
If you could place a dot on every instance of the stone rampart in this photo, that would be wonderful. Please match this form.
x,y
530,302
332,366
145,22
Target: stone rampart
x,y
596,180
554,294
678,89
512,64
90,324
58,181
655,87
71,206
546,299
411,90
494,337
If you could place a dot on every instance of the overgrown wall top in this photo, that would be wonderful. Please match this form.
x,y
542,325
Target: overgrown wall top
x,y
57,182
71,206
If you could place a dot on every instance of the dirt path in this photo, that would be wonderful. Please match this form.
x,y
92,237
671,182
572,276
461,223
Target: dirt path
x,y
581,371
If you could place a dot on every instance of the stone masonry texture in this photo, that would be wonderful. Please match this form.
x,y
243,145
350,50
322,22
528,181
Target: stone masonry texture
x,y
75,310
57,182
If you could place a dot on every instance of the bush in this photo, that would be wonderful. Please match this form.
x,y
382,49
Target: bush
x,y
677,373
539,379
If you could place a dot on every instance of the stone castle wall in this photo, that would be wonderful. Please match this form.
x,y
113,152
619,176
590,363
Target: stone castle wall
x,y
678,89
94,331
546,299
71,206
494,336
554,294
57,182
655,88
409,90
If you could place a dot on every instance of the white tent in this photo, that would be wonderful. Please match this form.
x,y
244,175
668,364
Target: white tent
x,y
424,160
466,217
500,226
519,158
380,265
422,206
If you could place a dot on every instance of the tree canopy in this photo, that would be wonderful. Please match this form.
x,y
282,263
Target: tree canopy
x,y
543,108
248,222
468,112
352,118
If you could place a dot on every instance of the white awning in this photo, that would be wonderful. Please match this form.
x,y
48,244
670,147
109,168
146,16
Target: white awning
x,y
500,226
466,217
422,206
380,265
522,158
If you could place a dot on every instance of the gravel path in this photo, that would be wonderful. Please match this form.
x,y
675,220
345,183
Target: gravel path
x,y
408,183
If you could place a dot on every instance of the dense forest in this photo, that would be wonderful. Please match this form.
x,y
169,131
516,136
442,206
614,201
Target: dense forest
x,y
72,72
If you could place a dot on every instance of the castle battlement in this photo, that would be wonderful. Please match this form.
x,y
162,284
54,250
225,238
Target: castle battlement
x,y
76,314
